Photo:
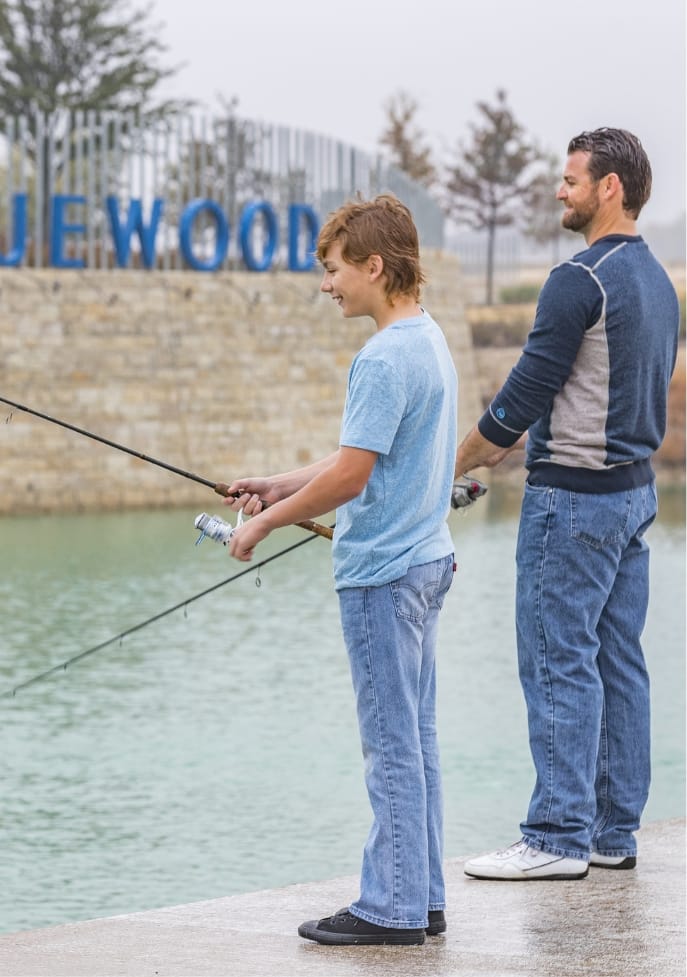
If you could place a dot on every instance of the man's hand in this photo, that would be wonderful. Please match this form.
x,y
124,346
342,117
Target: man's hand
x,y
475,451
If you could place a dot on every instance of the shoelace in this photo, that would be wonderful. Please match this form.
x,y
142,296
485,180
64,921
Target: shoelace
x,y
515,847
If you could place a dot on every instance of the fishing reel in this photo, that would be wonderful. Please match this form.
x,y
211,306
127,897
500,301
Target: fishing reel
x,y
212,527
466,491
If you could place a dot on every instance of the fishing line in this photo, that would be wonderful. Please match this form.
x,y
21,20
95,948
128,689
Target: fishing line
x,y
221,488
63,666
465,493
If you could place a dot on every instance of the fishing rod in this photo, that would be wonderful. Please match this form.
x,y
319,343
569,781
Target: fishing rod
x,y
465,493
63,666
221,488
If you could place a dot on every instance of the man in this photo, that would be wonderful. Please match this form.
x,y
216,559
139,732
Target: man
x,y
590,388
390,482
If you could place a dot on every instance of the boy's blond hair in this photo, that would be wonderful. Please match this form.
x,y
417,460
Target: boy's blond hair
x,y
382,226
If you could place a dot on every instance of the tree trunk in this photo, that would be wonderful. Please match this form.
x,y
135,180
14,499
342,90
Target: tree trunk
x,y
491,237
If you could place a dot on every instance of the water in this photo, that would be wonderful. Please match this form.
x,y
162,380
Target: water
x,y
216,751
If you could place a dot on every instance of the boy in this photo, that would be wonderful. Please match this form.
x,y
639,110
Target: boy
x,y
390,482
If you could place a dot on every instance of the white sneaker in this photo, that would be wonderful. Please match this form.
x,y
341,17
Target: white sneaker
x,y
612,861
520,861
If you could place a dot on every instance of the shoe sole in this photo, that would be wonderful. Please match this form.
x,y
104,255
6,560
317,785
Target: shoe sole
x,y
629,862
362,939
347,939
553,877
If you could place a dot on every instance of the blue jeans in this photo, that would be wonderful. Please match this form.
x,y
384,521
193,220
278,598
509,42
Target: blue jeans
x,y
390,634
582,597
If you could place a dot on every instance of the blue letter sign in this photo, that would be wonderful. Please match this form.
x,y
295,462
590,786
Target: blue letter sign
x,y
258,233
59,227
247,220
134,222
186,233
297,214
15,256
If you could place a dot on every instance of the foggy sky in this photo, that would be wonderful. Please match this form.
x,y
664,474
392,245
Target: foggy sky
x,y
330,68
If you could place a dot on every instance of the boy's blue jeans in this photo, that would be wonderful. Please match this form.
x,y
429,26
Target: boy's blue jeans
x,y
390,634
581,603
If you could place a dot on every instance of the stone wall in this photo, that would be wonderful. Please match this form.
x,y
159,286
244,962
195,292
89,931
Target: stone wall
x,y
219,374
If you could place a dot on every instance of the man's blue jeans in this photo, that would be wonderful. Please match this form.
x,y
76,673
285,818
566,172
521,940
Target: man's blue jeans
x,y
582,597
390,634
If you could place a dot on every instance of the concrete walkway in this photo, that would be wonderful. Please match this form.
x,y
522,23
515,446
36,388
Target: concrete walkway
x,y
611,924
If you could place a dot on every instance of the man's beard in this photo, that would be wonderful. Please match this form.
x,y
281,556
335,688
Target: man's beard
x,y
580,217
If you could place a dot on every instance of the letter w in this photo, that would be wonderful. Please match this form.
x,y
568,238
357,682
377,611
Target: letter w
x,y
134,222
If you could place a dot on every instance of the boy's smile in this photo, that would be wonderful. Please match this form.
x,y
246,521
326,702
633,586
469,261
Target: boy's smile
x,y
348,284
359,288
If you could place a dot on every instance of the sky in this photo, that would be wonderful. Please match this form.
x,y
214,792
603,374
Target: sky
x,y
331,68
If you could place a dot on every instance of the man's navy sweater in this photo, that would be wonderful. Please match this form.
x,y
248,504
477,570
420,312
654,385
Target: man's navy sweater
x,y
591,384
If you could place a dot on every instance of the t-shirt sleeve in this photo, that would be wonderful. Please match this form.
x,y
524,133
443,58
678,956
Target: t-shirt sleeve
x,y
375,404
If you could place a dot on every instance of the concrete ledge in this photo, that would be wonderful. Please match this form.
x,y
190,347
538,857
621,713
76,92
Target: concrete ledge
x,y
611,924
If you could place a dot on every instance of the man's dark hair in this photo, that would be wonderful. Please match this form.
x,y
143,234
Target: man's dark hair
x,y
617,151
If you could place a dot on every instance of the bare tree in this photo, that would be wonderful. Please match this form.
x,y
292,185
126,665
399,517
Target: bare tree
x,y
489,183
406,142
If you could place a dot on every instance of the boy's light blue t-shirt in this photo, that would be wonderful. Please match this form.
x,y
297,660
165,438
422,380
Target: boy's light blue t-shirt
x,y
401,402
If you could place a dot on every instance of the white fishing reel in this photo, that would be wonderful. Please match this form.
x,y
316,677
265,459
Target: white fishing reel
x,y
212,527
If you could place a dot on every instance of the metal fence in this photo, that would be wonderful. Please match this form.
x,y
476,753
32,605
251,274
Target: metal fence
x,y
70,167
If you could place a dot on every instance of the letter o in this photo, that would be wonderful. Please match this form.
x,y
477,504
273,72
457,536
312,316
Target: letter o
x,y
186,231
247,218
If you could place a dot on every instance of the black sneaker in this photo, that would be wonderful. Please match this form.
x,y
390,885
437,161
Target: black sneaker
x,y
437,922
345,929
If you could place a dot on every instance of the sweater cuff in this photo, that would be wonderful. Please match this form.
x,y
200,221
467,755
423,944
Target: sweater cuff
x,y
489,428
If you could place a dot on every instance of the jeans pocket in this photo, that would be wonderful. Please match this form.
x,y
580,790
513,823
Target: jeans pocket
x,y
421,588
599,519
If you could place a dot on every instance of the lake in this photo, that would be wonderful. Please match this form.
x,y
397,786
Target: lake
x,y
215,750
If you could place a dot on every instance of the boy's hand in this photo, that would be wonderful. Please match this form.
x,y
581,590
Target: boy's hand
x,y
245,538
251,493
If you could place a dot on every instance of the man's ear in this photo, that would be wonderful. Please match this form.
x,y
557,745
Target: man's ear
x,y
611,185
375,266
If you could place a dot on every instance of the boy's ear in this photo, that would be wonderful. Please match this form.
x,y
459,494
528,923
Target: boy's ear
x,y
375,266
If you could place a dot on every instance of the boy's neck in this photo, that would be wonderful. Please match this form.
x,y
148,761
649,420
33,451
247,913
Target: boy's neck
x,y
401,307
